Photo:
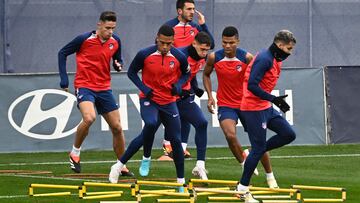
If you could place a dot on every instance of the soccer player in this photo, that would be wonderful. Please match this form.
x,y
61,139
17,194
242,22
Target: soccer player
x,y
259,80
230,64
185,32
164,71
189,111
94,50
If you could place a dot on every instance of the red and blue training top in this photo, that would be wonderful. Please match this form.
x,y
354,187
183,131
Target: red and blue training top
x,y
92,61
260,79
195,64
230,75
159,73
185,32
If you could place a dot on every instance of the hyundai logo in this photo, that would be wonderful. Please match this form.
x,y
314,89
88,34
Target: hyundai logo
x,y
34,114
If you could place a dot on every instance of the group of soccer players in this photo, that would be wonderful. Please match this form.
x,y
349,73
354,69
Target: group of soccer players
x,y
168,85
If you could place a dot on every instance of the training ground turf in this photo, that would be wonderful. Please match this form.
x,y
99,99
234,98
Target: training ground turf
x,y
334,165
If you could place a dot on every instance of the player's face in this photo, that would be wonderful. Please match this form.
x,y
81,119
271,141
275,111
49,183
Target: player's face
x,y
287,48
187,13
230,44
164,43
201,49
106,29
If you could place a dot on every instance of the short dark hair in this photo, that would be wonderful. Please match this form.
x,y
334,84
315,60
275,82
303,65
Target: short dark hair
x,y
166,30
230,31
284,36
203,38
181,3
108,16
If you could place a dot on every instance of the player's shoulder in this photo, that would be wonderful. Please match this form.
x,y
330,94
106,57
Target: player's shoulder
x,y
145,52
265,55
219,54
241,54
193,24
185,50
116,37
172,22
177,53
84,36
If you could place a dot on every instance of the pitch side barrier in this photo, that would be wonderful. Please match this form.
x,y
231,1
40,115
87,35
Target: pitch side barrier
x,y
38,116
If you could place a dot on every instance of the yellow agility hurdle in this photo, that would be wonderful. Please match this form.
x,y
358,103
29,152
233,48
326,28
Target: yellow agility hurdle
x,y
52,186
281,201
191,200
222,182
84,194
322,188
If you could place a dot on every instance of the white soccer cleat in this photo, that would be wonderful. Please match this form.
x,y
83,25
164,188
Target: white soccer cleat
x,y
249,198
272,183
114,174
200,172
245,155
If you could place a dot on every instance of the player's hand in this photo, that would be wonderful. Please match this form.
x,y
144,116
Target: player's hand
x,y
66,89
199,92
211,105
281,103
117,66
201,17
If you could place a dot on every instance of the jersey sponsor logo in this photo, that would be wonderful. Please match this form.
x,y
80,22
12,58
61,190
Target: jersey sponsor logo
x,y
111,46
238,68
31,123
175,115
172,64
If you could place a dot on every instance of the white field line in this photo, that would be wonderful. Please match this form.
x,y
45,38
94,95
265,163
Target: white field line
x,y
208,158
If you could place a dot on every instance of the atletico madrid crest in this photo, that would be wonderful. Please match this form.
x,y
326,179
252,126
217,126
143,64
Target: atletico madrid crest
x,y
172,64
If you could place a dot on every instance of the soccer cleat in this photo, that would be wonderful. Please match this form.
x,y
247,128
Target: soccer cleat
x,y
167,149
75,163
126,172
272,183
200,172
249,198
114,174
144,167
181,189
187,154
245,155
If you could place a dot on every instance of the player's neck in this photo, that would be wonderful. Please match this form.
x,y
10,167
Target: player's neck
x,y
102,40
230,55
182,20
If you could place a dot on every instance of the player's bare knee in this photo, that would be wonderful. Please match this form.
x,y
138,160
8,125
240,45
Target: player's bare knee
x,y
117,129
89,119
231,136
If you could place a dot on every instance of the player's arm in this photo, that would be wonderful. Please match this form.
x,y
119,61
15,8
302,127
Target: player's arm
x,y
185,73
117,60
210,61
67,50
260,67
195,86
203,27
136,65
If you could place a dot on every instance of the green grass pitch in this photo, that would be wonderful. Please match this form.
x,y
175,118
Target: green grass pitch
x,y
333,165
